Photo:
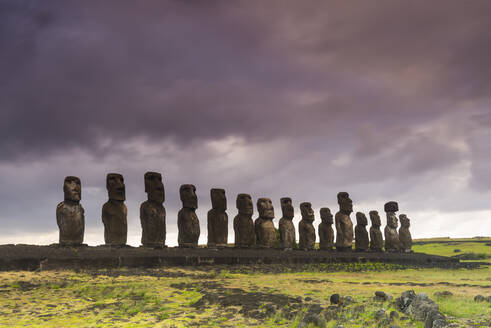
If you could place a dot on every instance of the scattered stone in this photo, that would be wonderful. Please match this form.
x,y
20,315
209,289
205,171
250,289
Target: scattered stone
x,y
308,298
187,220
405,300
326,233
385,322
488,299
245,236
306,230
434,316
286,227
331,313
479,298
445,293
264,227
439,323
335,298
344,226
456,250
394,315
380,314
314,319
382,296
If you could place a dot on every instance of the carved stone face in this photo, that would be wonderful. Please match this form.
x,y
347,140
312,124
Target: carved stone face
x,y
187,192
115,186
345,203
361,219
265,208
375,218
72,189
405,222
392,220
326,215
287,208
218,199
154,187
244,204
307,211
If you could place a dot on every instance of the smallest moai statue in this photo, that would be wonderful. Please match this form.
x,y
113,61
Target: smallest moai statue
x,y
326,233
265,231
187,220
361,233
218,219
287,229
114,211
245,236
306,230
70,214
405,235
376,239
392,243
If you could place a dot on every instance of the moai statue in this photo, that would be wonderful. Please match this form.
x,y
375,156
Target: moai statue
x,y
152,212
326,233
392,243
218,219
245,236
187,220
264,227
70,214
287,230
306,230
376,239
404,234
361,233
344,226
114,211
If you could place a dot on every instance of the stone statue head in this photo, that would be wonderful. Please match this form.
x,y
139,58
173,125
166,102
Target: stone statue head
x,y
244,204
326,215
115,186
405,222
72,189
187,192
345,203
361,219
391,206
375,218
218,199
154,187
307,211
287,208
265,208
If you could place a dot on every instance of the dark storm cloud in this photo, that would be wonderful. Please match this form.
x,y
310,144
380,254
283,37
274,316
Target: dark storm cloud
x,y
386,99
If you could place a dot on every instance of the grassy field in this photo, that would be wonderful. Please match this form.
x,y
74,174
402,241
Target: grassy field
x,y
263,296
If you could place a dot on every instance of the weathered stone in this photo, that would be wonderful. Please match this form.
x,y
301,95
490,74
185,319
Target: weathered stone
x,y
361,233
479,298
114,211
187,220
245,236
392,243
287,229
264,227
432,317
70,214
218,219
380,314
312,319
335,299
421,306
376,239
326,233
444,293
306,230
404,301
344,226
382,296
404,234
394,315
152,211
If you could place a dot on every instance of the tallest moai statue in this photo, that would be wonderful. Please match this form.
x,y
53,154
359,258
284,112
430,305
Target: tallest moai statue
x,y
70,214
287,230
114,211
392,243
344,226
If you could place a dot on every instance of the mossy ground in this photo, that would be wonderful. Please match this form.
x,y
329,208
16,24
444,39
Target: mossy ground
x,y
235,297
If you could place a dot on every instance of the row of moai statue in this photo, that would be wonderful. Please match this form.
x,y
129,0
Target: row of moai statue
x,y
248,233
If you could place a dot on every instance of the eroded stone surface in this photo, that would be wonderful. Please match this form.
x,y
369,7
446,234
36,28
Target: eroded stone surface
x,y
218,219
245,235
326,232
392,243
152,211
114,211
306,230
404,234
344,226
376,239
361,233
264,227
187,220
70,214
287,229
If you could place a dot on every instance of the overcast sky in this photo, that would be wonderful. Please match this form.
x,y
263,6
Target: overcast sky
x,y
387,100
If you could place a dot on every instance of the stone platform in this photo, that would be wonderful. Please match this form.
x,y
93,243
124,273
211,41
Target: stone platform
x,y
53,257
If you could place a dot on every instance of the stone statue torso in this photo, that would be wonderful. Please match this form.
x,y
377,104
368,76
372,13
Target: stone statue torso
x,y
344,230
71,221
306,232
217,227
115,225
361,238
376,240
152,218
266,234
188,225
244,230
392,243
326,236
287,233
405,239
